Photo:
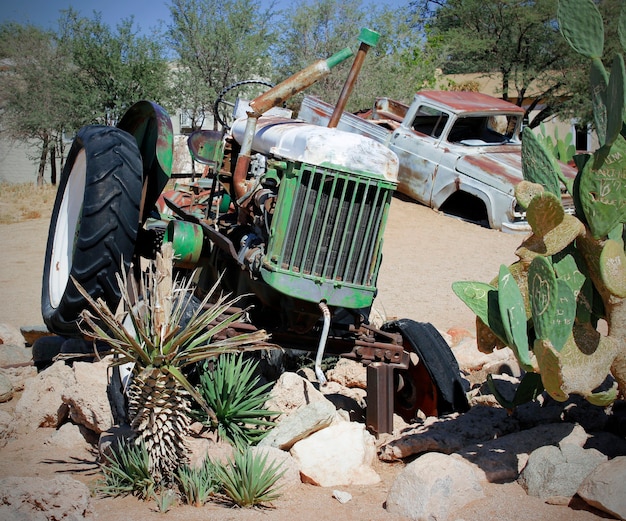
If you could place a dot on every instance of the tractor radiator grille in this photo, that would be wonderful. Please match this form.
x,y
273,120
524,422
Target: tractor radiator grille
x,y
337,236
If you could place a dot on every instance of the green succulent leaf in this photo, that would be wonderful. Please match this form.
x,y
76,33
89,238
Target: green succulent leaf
x,y
621,27
482,299
603,189
525,191
599,81
528,389
603,398
543,295
613,268
615,100
550,369
545,213
582,27
513,316
580,367
539,164
565,315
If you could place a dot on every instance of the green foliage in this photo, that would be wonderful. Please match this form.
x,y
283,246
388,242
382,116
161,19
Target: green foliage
x,y
113,69
217,43
563,149
400,64
127,472
165,500
198,484
233,392
574,267
248,480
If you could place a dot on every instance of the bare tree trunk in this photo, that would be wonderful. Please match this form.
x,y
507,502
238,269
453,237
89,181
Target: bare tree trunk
x,y
42,159
53,164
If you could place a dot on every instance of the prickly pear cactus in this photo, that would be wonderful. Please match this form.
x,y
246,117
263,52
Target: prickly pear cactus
x,y
571,276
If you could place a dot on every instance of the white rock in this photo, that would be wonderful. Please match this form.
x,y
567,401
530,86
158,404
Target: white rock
x,y
341,454
291,392
87,396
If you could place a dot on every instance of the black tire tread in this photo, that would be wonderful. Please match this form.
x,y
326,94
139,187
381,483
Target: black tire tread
x,y
108,226
434,352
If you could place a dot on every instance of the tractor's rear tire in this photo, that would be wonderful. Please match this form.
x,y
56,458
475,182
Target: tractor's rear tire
x,y
433,385
94,225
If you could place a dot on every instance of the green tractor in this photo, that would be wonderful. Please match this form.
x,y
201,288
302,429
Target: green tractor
x,y
288,214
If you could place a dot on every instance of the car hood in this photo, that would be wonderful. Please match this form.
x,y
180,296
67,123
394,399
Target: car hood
x,y
499,169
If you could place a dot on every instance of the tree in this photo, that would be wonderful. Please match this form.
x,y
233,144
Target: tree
x,y
217,43
33,89
113,69
396,67
518,40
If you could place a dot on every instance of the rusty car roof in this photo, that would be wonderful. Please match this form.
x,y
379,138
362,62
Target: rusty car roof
x,y
466,101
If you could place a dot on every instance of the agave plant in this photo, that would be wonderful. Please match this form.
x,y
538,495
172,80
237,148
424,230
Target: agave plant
x,y
248,479
152,337
233,392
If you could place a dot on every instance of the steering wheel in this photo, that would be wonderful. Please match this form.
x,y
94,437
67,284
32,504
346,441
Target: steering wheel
x,y
225,102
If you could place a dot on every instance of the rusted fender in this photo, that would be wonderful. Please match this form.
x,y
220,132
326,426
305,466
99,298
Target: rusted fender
x,y
151,126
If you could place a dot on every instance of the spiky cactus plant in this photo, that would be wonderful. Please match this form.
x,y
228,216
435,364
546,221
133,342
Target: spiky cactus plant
x,y
153,339
572,269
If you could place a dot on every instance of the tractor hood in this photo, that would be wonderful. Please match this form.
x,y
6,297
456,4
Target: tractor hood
x,y
294,140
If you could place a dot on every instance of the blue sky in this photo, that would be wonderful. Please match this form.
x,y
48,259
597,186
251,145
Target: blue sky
x,y
147,13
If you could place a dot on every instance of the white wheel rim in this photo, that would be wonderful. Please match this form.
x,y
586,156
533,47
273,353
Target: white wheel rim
x,y
65,233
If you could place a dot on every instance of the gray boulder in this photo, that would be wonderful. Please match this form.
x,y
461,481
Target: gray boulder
x,y
433,486
605,487
299,424
557,472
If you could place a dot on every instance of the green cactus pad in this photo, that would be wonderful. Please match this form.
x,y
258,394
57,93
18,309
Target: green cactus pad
x,y
604,398
543,293
565,315
513,316
615,100
525,191
550,368
567,269
545,213
603,189
599,81
539,164
552,242
613,268
552,302
580,367
582,27
482,299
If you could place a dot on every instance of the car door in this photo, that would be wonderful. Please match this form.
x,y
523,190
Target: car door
x,y
419,152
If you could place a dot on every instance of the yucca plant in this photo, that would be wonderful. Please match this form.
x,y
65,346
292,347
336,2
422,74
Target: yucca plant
x,y
152,338
248,480
233,392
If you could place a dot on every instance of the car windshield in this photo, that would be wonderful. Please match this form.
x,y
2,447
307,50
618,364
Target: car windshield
x,y
429,121
484,130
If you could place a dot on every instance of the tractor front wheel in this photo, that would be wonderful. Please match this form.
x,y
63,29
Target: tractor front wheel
x,y
94,225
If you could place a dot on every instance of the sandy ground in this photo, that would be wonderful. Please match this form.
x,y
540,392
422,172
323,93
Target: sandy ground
x,y
424,253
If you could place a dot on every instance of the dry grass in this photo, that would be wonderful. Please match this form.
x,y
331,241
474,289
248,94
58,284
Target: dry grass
x,y
23,201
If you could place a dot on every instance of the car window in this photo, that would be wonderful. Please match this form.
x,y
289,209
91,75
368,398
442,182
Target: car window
x,y
481,130
429,121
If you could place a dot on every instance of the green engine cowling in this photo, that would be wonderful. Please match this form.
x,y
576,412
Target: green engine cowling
x,y
329,213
